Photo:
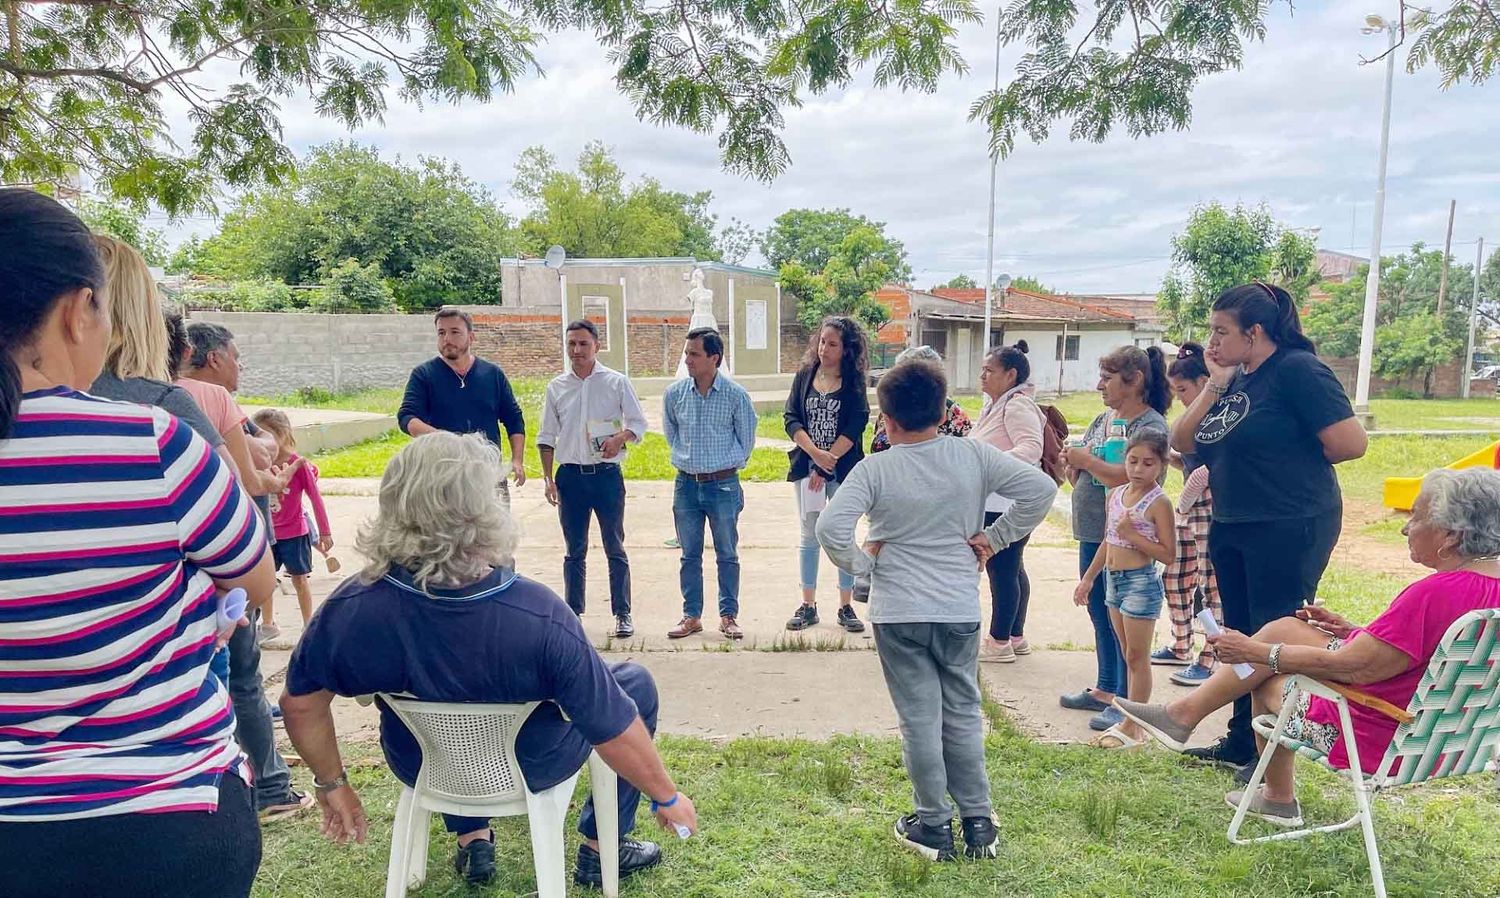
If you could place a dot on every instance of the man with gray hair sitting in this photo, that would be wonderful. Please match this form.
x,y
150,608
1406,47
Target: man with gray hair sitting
x,y
441,615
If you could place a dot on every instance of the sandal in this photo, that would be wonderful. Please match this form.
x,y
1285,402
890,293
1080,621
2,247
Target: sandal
x,y
1114,739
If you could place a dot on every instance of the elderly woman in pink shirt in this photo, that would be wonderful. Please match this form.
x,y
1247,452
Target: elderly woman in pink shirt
x,y
1010,422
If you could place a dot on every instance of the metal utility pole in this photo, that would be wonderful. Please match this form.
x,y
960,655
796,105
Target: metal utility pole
x,y
1447,253
989,257
1466,374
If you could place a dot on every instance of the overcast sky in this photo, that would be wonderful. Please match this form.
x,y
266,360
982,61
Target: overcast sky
x,y
1296,128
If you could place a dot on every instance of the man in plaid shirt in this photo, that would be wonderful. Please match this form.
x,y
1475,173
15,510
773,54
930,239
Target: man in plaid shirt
x,y
709,423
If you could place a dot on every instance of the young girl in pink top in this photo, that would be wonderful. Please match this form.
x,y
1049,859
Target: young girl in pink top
x,y
294,545
1140,531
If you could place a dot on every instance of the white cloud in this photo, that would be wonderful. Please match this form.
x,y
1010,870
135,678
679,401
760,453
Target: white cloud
x,y
1296,128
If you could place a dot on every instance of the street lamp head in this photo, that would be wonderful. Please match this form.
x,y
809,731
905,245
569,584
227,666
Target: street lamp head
x,y
1374,23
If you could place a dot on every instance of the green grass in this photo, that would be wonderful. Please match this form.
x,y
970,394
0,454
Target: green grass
x,y
379,401
792,817
1401,456
651,460
1436,414
1357,594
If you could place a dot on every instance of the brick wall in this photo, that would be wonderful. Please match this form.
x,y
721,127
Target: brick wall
x,y
530,344
794,338
1445,380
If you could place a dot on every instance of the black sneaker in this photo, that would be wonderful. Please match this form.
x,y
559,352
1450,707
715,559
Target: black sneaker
x,y
1243,773
804,617
933,842
1222,754
475,862
635,856
849,620
624,627
980,838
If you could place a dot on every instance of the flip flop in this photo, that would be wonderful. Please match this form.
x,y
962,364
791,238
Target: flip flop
x,y
1122,742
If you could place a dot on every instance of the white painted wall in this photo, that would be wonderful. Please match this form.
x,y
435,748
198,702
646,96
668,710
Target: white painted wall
x,y
1082,374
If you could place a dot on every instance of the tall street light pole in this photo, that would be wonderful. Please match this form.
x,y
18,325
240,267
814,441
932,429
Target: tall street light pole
x,y
1373,25
989,258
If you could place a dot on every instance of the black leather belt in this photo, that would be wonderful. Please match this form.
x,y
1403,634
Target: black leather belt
x,y
712,477
589,469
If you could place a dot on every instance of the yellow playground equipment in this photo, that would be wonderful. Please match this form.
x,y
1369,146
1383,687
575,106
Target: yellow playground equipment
x,y
1401,492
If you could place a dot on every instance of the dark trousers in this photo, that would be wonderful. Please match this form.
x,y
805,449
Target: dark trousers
x,y
1267,570
252,717
599,491
184,854
1010,588
1113,676
570,751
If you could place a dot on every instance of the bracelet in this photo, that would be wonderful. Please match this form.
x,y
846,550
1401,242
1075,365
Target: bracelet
x,y
1217,389
658,805
1273,659
337,782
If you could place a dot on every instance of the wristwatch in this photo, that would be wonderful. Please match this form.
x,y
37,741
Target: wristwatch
x,y
336,783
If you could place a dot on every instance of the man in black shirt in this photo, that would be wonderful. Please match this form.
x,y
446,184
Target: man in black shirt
x,y
459,392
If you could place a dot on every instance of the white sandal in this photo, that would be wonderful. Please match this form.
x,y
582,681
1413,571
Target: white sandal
x,y
1122,741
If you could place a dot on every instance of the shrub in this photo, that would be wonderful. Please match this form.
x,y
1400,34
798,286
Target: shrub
x,y
353,287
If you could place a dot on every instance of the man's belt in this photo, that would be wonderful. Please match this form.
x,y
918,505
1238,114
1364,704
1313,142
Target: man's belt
x,y
711,477
602,468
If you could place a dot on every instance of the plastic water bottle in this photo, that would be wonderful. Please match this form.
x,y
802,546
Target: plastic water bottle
x,y
1114,445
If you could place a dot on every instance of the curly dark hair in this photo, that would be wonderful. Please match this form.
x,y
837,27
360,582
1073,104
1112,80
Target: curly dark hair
x,y
855,364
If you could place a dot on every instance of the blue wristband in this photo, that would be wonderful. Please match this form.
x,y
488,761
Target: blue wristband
x,y
658,805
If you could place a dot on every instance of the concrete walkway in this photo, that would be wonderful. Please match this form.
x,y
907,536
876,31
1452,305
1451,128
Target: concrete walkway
x,y
714,688
324,429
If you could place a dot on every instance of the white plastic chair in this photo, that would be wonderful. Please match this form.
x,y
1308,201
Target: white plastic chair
x,y
469,768
1450,728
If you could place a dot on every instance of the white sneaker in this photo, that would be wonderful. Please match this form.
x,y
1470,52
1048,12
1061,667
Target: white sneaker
x,y
268,632
997,652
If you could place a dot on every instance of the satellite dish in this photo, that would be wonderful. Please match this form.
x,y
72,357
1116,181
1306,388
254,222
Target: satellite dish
x,y
555,257
1002,283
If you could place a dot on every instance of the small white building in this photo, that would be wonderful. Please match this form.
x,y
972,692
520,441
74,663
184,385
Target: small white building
x,y
1065,337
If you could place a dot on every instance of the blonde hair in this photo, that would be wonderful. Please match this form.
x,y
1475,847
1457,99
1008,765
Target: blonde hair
x,y
276,421
440,516
138,343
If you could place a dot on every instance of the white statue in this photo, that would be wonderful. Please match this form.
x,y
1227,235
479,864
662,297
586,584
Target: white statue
x,y
702,299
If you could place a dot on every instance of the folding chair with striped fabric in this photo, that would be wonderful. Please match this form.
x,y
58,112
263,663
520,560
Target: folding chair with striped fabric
x,y
1451,728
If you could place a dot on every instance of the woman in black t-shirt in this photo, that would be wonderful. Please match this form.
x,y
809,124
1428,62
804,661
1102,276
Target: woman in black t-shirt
x,y
826,414
1270,427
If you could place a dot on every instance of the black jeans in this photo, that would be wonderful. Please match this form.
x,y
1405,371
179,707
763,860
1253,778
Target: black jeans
x,y
1010,588
253,729
570,753
597,490
184,854
1267,570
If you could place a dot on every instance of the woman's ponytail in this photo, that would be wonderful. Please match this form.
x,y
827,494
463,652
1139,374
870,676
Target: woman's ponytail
x,y
1289,323
1158,393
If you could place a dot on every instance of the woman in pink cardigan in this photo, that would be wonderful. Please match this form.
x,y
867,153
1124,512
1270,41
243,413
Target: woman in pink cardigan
x,y
1011,422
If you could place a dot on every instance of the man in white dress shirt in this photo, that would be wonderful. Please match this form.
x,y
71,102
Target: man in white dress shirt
x,y
588,416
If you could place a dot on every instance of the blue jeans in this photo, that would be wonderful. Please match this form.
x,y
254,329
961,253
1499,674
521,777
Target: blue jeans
x,y
571,751
720,503
252,718
808,549
1112,673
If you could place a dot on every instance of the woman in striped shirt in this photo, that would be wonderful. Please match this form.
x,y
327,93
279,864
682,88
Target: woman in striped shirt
x,y
119,773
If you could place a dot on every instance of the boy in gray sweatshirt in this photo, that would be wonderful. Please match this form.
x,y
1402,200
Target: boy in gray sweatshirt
x,y
925,499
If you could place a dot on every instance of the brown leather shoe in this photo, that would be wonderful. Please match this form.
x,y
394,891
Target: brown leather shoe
x,y
686,627
729,628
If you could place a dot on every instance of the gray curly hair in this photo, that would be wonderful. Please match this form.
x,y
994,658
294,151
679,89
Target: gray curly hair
x,y
923,353
1466,502
440,516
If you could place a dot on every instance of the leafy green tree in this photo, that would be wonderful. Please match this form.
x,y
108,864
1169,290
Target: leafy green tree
x,y
1410,337
811,237
593,213
357,287
84,84
737,240
122,221
856,269
1221,248
435,236
1138,63
960,282
1031,285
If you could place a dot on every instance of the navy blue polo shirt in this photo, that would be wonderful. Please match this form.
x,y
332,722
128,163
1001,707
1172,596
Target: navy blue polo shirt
x,y
505,639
